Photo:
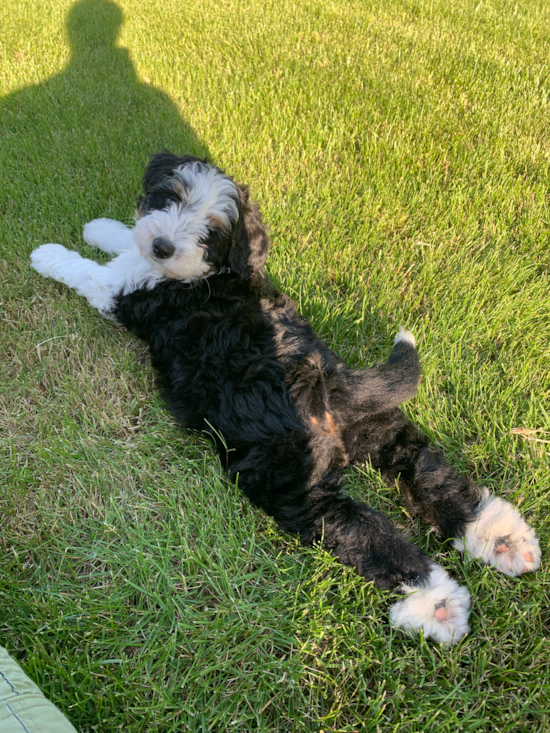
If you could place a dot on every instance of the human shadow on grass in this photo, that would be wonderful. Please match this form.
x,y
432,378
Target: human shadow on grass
x,y
74,147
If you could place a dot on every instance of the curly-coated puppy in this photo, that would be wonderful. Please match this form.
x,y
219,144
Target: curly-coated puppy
x,y
287,415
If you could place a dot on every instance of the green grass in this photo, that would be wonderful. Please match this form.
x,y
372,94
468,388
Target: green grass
x,y
400,153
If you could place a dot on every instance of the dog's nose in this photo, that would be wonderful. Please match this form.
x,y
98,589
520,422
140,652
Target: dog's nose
x,y
162,248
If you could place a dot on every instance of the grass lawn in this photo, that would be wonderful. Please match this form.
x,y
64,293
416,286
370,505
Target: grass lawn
x,y
400,150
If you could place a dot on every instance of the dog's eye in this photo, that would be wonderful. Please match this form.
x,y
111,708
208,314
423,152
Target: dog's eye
x,y
169,200
167,196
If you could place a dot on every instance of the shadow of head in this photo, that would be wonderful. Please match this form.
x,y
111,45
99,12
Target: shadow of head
x,y
83,135
94,24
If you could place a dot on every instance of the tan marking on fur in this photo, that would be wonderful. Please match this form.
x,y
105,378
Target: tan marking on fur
x,y
330,432
216,222
332,428
179,268
179,188
329,429
172,274
317,429
176,262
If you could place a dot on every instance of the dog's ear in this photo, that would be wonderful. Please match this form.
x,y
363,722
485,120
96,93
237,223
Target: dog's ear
x,y
250,244
161,166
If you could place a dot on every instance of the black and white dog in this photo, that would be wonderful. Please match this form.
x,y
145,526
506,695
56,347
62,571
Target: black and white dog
x,y
287,415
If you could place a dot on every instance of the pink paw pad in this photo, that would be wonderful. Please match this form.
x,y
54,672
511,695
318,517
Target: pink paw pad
x,y
501,538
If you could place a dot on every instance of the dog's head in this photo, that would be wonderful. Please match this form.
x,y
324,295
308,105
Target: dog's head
x,y
193,221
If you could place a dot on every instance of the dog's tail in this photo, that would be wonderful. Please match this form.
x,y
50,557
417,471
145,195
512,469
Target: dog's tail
x,y
387,386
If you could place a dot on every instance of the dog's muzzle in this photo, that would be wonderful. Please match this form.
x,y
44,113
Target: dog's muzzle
x,y
162,248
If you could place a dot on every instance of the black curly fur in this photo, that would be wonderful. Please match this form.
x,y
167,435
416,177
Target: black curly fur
x,y
234,358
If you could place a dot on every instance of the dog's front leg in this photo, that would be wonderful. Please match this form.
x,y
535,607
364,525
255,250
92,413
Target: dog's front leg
x,y
108,235
99,284
86,277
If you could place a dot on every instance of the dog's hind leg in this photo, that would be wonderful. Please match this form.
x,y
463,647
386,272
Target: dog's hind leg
x,y
290,477
108,235
486,526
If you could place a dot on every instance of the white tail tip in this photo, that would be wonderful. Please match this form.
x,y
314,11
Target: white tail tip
x,y
404,335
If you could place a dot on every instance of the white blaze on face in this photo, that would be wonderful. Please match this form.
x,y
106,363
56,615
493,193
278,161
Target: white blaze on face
x,y
204,194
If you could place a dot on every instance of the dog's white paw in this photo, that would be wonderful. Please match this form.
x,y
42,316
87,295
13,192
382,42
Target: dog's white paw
x,y
47,258
108,235
406,336
440,608
501,538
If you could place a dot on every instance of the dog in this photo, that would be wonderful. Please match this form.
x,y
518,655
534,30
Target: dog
x,y
287,415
